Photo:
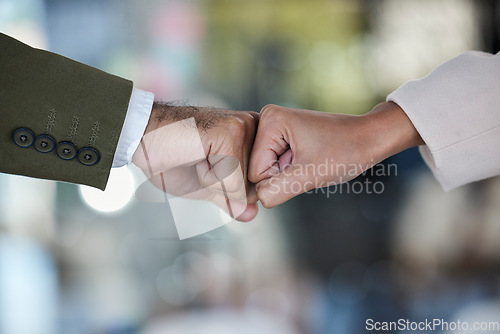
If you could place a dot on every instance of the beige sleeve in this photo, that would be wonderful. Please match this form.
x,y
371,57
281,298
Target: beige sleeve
x,y
456,110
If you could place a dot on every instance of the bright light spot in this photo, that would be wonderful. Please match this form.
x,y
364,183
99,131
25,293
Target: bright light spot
x,y
118,193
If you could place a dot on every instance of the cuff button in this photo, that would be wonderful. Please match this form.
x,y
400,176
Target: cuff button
x,y
23,137
88,156
66,150
44,144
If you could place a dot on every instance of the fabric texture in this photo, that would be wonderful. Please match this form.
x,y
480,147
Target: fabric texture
x,y
456,110
66,100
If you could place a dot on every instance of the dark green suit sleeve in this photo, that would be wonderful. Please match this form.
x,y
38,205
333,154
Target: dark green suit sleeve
x,y
60,119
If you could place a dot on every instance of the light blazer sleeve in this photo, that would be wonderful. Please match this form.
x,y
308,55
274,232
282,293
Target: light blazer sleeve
x,y
456,110
60,119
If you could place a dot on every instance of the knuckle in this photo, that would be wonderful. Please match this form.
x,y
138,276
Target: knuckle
x,y
204,183
252,173
267,204
265,199
207,181
234,185
236,125
271,113
268,109
249,120
241,128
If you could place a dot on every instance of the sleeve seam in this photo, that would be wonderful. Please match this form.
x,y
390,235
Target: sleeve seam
x,y
497,127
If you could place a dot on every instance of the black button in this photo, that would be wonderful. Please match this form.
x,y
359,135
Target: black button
x,y
66,150
23,137
88,156
44,144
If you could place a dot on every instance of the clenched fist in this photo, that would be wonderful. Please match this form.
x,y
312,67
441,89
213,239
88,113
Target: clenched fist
x,y
201,153
298,150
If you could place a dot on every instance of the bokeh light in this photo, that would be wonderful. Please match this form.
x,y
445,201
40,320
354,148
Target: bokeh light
x,y
116,196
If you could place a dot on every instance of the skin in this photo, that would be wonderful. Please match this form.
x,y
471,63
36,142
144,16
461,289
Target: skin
x,y
172,159
292,144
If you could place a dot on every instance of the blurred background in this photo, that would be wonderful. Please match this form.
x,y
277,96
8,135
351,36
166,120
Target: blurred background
x,y
75,260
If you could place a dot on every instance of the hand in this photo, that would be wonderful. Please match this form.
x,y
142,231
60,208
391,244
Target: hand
x,y
299,150
201,153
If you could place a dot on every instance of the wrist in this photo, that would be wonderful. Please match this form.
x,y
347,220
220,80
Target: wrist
x,y
161,114
389,130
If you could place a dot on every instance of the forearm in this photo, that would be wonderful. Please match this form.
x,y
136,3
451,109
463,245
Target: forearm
x,y
165,113
389,131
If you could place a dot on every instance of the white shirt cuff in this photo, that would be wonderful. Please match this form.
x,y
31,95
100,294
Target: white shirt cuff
x,y
136,120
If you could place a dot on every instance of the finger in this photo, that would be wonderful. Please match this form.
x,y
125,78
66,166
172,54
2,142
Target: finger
x,y
285,160
223,175
216,168
238,209
283,186
229,172
181,182
270,143
249,213
239,206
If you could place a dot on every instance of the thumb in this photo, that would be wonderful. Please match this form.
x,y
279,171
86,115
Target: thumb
x,y
281,187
